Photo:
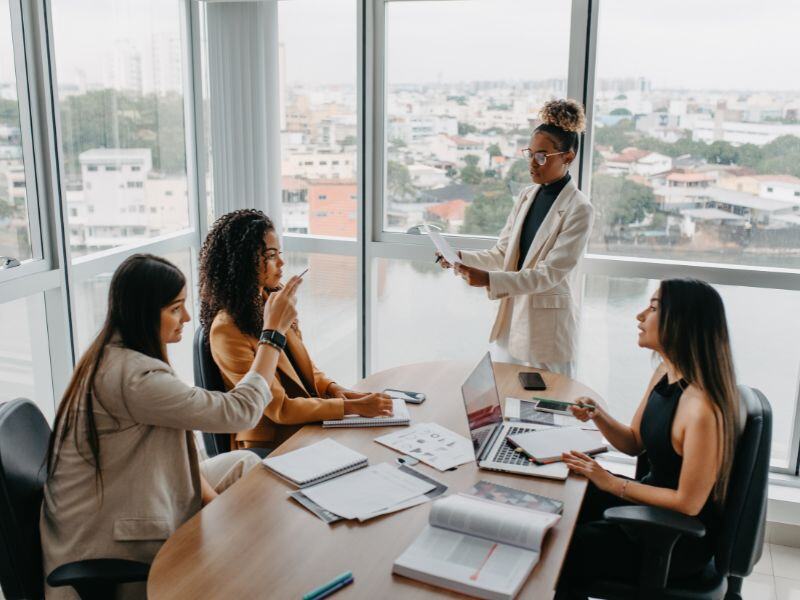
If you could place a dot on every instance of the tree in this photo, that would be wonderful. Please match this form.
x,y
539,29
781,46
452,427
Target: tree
x,y
617,136
9,112
398,181
620,201
487,214
350,140
471,173
494,150
620,112
466,128
520,172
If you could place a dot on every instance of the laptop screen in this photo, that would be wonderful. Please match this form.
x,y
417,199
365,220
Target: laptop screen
x,y
481,402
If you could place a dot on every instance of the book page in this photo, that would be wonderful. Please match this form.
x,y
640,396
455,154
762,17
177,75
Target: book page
x,y
492,521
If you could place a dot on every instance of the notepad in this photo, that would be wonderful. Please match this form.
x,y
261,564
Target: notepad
x,y
315,463
400,416
547,445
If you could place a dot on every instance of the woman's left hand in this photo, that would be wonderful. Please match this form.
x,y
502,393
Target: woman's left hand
x,y
585,465
473,276
337,391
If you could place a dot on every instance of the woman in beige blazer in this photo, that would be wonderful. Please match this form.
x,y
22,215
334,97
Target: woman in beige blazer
x,y
240,266
531,268
123,469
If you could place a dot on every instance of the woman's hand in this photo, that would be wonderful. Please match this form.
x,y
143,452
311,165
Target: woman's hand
x,y
443,262
585,465
280,310
370,405
337,391
473,276
587,411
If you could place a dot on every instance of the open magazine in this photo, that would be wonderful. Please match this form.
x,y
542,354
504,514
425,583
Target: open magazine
x,y
477,547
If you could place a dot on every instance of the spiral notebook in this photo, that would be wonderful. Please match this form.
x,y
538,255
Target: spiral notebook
x,y
400,416
315,463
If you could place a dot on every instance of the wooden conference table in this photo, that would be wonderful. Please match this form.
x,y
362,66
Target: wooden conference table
x,y
255,542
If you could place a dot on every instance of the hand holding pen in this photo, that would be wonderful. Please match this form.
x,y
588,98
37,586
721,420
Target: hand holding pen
x,y
584,409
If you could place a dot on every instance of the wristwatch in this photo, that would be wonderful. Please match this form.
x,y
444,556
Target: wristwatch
x,y
273,338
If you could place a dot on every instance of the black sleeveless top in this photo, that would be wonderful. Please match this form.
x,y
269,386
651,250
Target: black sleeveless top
x,y
665,463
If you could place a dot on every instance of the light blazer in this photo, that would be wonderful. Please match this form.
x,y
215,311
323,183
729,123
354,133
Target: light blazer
x,y
292,403
151,476
538,307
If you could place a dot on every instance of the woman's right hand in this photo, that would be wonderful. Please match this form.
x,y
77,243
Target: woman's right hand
x,y
371,405
280,309
587,410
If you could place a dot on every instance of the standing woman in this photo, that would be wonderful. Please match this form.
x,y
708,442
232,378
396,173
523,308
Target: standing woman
x,y
122,467
531,268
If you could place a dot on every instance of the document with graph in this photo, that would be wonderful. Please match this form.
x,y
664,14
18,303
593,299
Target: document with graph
x,y
477,547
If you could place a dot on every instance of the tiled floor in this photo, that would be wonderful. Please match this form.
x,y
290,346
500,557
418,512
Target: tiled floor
x,y
776,576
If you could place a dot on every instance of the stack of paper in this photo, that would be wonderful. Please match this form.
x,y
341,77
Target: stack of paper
x,y
432,444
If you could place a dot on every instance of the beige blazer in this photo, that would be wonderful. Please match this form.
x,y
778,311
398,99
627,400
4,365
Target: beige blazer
x,y
538,305
151,477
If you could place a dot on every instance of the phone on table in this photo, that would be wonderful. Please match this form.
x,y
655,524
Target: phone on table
x,y
554,406
410,397
532,381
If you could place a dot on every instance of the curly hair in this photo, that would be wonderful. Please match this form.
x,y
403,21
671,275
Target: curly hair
x,y
229,266
563,121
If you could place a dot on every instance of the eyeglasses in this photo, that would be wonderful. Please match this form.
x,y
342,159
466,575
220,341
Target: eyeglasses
x,y
539,157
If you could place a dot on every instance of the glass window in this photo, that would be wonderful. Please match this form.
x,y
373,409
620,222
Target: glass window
x,y
91,301
318,116
15,238
611,362
24,353
461,104
120,92
327,312
418,329
697,145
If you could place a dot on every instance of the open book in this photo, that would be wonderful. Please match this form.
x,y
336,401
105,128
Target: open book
x,y
477,547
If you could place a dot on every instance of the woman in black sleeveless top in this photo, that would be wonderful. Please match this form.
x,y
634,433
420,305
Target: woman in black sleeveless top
x,y
687,423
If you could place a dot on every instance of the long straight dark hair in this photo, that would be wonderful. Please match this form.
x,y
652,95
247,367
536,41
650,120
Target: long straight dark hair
x,y
141,286
693,333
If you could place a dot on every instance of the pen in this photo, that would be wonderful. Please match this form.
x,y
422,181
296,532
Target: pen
x,y
313,594
334,589
303,273
438,258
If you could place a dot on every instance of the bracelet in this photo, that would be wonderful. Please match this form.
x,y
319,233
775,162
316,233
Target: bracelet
x,y
271,343
622,491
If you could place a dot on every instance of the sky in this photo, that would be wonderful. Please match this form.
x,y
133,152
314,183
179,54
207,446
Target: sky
x,y
702,44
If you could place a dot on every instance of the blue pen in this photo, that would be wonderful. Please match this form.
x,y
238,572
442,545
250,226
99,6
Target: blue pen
x,y
315,593
334,589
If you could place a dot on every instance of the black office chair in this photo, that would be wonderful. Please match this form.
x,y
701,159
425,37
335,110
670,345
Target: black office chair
x,y
208,377
24,436
741,536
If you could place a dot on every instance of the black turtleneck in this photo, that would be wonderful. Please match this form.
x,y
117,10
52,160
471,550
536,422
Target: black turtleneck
x,y
545,197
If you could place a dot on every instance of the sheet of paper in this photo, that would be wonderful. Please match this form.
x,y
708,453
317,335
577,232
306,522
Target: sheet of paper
x,y
444,248
367,491
432,444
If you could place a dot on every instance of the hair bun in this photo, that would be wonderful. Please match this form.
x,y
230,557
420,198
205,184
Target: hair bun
x,y
565,114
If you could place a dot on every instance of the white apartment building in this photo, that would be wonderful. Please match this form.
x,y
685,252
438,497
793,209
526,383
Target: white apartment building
x,y
714,130
166,204
633,161
453,149
427,177
317,164
415,128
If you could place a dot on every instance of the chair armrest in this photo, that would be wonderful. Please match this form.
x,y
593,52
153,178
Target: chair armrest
x,y
657,530
98,571
650,518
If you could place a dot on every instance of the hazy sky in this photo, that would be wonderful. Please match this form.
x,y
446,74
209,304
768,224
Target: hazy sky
x,y
731,44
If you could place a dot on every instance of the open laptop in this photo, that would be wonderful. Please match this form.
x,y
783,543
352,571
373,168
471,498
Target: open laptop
x,y
488,431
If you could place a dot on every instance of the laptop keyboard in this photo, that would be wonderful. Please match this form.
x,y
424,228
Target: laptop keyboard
x,y
506,453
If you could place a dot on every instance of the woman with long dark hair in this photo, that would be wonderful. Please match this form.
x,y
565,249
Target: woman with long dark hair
x,y
240,267
532,267
687,422
122,467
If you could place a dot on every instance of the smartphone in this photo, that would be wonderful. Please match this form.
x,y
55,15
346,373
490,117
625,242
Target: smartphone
x,y
553,406
410,397
532,381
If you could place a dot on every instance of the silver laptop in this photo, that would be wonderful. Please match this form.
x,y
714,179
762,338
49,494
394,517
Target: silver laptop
x,y
488,431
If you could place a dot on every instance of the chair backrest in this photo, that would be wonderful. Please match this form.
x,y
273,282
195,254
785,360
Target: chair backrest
x,y
741,535
207,376
24,435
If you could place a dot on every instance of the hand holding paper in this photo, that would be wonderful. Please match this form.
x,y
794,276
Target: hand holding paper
x,y
445,249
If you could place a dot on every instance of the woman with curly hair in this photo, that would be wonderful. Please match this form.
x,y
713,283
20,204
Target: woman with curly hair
x,y
240,266
532,266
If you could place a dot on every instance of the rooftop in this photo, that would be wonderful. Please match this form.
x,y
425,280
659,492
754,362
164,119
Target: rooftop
x,y
115,155
733,198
